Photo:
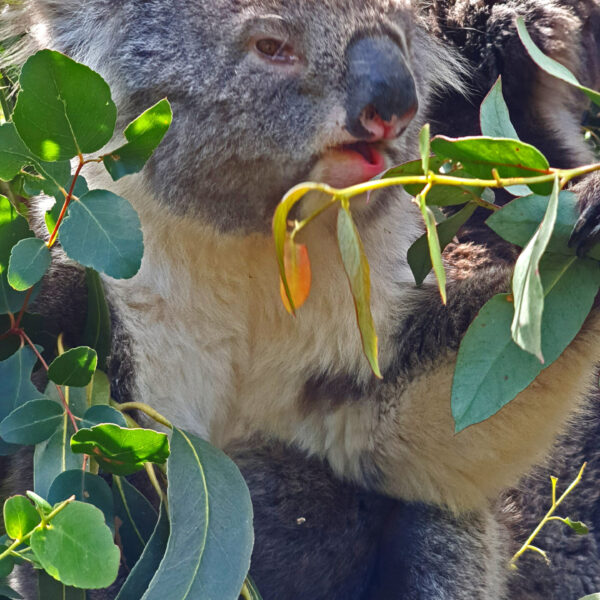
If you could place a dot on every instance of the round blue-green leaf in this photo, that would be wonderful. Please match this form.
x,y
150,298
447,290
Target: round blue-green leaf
x,y
20,517
29,261
103,231
32,423
86,487
75,367
99,414
120,450
77,548
64,108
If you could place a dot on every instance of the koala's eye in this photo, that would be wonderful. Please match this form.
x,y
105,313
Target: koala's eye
x,y
275,50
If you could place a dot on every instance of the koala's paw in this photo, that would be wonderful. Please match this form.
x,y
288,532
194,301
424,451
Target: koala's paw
x,y
586,232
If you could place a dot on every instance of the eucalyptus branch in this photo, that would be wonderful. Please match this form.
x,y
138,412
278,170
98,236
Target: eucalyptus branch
x,y
153,414
548,517
11,550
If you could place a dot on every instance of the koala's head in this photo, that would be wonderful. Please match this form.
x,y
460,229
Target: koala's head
x,y
265,93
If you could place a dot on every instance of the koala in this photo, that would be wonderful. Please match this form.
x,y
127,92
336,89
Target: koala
x,y
360,487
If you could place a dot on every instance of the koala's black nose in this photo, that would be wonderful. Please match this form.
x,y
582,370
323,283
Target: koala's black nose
x,y
381,98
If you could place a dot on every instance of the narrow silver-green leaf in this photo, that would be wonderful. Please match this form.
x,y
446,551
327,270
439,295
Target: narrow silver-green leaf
x,y
358,272
208,552
494,116
435,250
551,66
527,288
424,146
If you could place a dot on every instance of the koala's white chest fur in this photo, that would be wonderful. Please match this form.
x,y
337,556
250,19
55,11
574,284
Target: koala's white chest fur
x,y
214,348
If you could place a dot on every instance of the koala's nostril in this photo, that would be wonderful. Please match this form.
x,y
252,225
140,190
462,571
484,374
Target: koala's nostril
x,y
381,96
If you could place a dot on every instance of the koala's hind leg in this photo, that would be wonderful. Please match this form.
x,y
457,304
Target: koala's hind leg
x,y
319,538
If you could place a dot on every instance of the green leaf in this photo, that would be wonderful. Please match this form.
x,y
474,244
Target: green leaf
x,y
52,457
425,146
13,228
138,580
14,155
138,519
491,369
577,526
103,231
98,390
433,243
97,415
77,548
120,450
74,368
97,332
63,108
357,270
439,195
16,389
551,66
208,552
20,517
8,592
42,506
7,564
591,597
29,261
495,122
494,116
418,255
49,588
527,288
518,221
480,155
32,422
86,488
144,134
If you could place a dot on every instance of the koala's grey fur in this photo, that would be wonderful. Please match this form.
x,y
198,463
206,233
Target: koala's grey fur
x,y
293,401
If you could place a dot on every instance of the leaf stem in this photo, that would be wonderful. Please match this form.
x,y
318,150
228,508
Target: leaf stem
x,y
65,206
61,395
548,517
153,414
41,525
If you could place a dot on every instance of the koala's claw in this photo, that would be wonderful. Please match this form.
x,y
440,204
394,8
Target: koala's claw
x,y
586,232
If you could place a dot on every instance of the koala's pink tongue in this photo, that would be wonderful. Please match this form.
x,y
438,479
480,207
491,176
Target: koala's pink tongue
x,y
350,164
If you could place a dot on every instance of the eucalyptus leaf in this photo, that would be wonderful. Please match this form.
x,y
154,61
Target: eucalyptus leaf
x,y
494,116
527,288
29,261
137,519
491,369
9,593
480,155
142,573
31,423
143,135
418,255
551,66
97,331
357,270
86,487
51,589
59,98
120,450
577,526
209,548
78,548
103,231
99,414
74,367
20,517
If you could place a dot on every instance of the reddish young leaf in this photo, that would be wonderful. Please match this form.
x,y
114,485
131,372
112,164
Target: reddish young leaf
x,y
297,273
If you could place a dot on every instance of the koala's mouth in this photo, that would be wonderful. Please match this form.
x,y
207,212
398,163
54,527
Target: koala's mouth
x,y
349,164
